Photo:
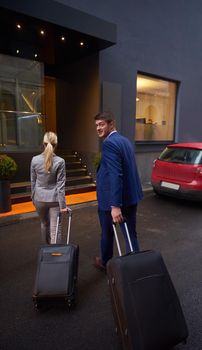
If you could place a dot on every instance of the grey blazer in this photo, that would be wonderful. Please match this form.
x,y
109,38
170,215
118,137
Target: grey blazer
x,y
48,187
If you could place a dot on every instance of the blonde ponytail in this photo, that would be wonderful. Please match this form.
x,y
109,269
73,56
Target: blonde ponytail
x,y
50,142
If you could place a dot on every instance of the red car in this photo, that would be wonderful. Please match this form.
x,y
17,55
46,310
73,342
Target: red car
x,y
178,171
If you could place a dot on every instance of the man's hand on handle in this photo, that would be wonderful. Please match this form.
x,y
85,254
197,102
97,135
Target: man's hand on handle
x,y
117,216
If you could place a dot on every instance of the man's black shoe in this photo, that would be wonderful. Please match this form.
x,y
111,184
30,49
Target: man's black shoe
x,y
98,264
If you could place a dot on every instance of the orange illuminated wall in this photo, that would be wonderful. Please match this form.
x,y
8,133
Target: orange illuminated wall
x,y
50,104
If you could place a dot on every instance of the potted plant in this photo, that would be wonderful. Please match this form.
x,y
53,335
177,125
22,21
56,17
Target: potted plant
x,y
8,168
97,160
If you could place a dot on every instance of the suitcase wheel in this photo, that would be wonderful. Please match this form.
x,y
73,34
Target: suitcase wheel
x,y
71,303
37,305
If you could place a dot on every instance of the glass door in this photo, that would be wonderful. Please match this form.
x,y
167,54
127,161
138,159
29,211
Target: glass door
x,y
22,123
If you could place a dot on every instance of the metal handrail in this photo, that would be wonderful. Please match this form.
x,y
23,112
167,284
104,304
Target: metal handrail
x,y
21,112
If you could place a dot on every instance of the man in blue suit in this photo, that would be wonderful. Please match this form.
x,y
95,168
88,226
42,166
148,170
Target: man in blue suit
x,y
118,187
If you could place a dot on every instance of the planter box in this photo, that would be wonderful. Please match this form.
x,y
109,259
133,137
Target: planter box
x,y
5,196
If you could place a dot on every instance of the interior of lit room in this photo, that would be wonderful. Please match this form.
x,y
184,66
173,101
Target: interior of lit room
x,y
155,108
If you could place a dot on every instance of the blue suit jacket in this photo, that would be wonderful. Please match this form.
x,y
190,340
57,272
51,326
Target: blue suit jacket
x,y
117,181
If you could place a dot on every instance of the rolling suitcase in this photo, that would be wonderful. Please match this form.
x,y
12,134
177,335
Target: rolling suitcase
x,y
57,271
146,308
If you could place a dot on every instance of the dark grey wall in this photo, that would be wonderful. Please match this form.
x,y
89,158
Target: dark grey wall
x,y
158,37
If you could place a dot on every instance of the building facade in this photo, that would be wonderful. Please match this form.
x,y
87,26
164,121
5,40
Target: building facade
x,y
63,61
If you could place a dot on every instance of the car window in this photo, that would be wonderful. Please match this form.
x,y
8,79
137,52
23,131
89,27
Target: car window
x,y
181,155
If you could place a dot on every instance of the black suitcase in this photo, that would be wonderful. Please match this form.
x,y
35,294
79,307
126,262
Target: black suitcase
x,y
146,308
57,272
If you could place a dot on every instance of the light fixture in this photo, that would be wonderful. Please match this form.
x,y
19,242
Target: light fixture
x,y
137,99
42,32
81,43
18,25
62,38
35,55
17,51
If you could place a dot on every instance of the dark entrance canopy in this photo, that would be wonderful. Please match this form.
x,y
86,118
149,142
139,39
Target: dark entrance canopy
x,y
51,32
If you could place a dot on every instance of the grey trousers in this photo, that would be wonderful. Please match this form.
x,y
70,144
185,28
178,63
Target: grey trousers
x,y
48,213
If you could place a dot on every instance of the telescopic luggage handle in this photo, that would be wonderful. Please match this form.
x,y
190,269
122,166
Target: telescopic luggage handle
x,y
117,239
69,213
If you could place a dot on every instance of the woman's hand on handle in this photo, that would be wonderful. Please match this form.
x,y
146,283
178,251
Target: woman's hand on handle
x,y
62,210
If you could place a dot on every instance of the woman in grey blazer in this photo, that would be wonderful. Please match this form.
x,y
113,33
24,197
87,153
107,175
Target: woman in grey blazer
x,y
48,178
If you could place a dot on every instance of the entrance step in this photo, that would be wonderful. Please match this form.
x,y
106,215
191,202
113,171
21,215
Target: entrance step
x,y
78,180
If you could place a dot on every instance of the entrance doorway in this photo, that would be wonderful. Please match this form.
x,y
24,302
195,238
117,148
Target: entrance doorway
x,y
50,104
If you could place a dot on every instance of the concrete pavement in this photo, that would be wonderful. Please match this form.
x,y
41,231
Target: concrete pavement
x,y
170,226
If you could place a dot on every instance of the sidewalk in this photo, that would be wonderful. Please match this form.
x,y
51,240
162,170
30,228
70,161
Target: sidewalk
x,y
21,210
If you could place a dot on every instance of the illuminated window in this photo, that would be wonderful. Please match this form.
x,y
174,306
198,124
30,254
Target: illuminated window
x,y
155,109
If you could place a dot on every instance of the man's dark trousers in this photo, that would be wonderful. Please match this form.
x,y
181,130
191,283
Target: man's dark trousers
x,y
107,234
